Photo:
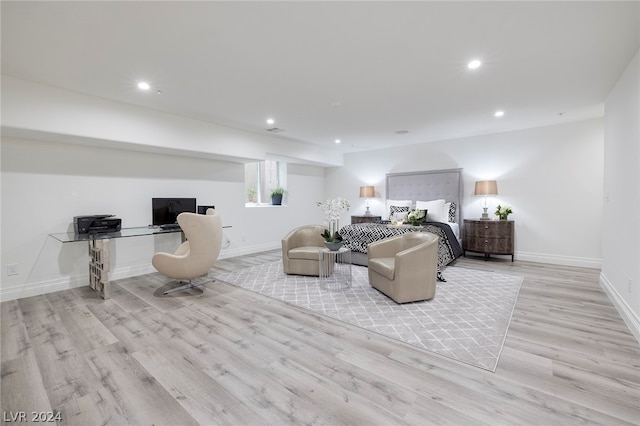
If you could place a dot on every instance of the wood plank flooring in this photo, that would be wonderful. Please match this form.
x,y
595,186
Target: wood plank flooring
x,y
227,356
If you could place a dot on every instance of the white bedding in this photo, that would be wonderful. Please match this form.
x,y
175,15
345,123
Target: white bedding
x,y
456,230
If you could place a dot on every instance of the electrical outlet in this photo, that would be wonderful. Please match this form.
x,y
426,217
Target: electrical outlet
x,y
629,285
12,269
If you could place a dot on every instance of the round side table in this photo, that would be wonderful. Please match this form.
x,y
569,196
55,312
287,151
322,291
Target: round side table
x,y
335,269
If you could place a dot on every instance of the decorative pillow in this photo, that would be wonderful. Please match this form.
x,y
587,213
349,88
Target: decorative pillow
x,y
450,211
398,212
434,208
397,203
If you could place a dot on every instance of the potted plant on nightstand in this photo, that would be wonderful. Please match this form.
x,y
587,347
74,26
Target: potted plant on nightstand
x,y
503,212
276,196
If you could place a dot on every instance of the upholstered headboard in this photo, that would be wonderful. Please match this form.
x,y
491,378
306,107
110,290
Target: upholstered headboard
x,y
426,186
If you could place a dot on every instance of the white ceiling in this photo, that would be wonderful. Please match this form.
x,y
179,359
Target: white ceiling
x,y
357,71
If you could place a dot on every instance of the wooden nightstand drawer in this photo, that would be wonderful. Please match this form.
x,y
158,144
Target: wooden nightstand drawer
x,y
365,219
488,228
489,245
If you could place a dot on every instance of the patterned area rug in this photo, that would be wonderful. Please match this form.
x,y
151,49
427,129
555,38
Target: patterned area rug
x,y
467,320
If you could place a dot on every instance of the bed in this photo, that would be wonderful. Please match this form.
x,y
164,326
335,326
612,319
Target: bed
x,y
415,189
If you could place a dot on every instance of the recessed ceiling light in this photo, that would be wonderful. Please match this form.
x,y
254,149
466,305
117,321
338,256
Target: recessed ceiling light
x,y
474,64
338,141
499,113
270,121
143,85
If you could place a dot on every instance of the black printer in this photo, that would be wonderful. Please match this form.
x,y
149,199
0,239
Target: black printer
x,y
96,224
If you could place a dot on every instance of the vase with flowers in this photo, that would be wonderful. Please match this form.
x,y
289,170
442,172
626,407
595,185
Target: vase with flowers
x,y
416,217
331,209
503,212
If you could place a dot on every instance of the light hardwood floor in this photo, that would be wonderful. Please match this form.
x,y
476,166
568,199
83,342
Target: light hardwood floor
x,y
229,356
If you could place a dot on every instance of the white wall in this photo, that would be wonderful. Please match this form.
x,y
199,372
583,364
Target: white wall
x,y
621,228
66,154
45,184
550,176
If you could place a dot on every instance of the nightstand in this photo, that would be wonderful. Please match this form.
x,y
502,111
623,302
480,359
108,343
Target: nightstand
x,y
488,237
365,219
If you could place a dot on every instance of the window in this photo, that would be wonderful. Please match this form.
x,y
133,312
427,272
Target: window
x,y
260,178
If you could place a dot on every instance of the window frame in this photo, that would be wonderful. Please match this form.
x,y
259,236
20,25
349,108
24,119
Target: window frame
x,y
261,177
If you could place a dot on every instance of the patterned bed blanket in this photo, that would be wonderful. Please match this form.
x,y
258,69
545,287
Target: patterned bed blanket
x,y
357,237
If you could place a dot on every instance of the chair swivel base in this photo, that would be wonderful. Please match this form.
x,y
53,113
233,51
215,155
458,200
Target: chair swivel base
x,y
188,285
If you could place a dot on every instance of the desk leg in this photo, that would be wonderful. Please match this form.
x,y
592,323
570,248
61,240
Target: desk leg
x,y
99,264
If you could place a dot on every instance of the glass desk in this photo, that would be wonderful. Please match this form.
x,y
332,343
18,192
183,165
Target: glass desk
x,y
70,237
99,257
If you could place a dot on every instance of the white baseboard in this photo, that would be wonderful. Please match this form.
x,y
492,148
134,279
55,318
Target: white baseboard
x,y
225,253
43,287
69,282
131,271
630,318
581,262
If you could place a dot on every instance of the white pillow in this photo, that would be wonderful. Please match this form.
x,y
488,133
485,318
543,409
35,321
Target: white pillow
x,y
399,203
434,208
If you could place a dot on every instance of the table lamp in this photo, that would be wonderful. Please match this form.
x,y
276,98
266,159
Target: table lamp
x,y
485,188
367,192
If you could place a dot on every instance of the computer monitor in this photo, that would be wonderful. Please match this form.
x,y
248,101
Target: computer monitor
x,y
203,209
165,211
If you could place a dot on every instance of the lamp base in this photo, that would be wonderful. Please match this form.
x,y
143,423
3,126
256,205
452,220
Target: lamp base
x,y
485,215
367,213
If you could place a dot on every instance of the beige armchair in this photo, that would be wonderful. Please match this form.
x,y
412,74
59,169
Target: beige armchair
x,y
300,250
197,254
404,267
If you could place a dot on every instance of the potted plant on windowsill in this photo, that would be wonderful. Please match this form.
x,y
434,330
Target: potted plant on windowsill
x,y
276,196
252,194
332,241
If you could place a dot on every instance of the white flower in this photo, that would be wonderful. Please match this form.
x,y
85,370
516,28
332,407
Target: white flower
x,y
415,214
503,211
332,209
